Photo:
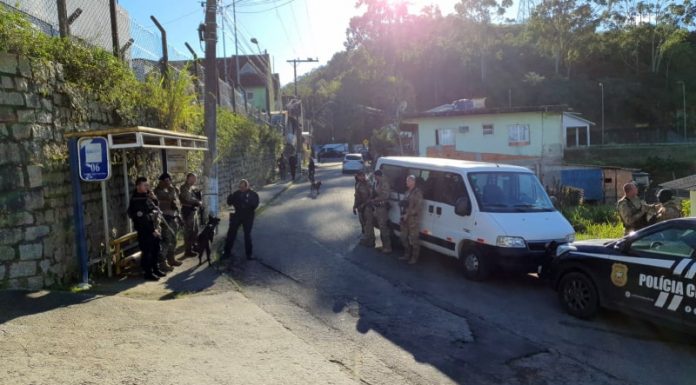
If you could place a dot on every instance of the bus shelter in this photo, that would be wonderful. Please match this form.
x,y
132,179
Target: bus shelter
x,y
90,162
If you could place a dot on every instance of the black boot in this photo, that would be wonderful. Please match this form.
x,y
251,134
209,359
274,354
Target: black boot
x,y
158,273
151,277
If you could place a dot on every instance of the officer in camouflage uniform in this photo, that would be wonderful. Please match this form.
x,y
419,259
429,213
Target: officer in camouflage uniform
x,y
190,201
380,213
168,196
635,214
411,207
363,193
669,208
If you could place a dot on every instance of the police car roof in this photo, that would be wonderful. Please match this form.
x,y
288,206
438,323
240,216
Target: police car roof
x,y
452,165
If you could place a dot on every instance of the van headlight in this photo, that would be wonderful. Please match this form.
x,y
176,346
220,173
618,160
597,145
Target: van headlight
x,y
570,238
505,241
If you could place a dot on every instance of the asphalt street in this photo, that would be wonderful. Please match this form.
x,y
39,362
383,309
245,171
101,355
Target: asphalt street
x,y
386,322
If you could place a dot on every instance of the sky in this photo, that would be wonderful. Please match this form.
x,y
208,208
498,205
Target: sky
x,y
287,29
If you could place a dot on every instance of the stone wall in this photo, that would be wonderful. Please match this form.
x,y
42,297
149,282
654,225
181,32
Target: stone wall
x,y
258,170
36,213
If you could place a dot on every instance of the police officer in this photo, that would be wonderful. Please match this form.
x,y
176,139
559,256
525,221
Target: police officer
x,y
245,201
190,202
634,213
143,212
380,213
363,193
410,221
168,196
669,208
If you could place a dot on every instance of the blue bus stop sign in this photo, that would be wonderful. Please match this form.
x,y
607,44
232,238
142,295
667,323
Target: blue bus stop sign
x,y
94,161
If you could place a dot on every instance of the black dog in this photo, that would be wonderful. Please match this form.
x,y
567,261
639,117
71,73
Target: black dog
x,y
315,186
205,239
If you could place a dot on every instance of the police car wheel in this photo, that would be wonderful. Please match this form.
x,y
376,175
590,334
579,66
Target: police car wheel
x,y
475,266
578,295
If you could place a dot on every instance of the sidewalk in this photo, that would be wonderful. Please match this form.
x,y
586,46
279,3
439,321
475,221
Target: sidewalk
x,y
195,326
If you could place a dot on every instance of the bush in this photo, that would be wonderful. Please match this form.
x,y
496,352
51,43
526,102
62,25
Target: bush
x,y
594,221
686,208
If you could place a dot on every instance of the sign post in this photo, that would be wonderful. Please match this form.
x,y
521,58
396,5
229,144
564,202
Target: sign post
x,y
95,166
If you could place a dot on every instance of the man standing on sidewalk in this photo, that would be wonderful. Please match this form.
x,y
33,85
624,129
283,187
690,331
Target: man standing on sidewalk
x,y
168,196
411,207
189,205
363,193
142,210
380,202
293,166
245,201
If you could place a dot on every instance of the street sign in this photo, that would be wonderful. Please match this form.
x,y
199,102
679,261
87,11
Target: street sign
x,y
176,162
94,162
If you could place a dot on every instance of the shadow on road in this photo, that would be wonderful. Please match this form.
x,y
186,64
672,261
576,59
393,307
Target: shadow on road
x,y
18,303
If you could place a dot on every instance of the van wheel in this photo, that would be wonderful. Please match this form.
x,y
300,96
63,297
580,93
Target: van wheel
x,y
578,295
476,267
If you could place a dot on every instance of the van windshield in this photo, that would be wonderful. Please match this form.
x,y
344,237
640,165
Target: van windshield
x,y
509,192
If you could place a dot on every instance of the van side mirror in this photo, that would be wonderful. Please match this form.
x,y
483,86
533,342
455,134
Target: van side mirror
x,y
462,206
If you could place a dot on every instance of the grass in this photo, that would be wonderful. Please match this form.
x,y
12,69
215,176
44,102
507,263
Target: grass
x,y
594,222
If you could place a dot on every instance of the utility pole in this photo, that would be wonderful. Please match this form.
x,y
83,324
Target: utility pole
x,y
210,112
236,54
601,85
684,101
294,66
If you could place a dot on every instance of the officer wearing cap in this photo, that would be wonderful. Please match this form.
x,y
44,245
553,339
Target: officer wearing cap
x,y
379,213
142,210
168,196
669,208
190,199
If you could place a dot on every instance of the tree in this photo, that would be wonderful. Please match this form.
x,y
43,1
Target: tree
x,y
562,28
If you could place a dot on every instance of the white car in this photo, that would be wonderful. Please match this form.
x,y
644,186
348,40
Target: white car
x,y
352,163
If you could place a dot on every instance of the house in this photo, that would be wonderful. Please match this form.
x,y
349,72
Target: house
x,y
684,187
260,85
533,137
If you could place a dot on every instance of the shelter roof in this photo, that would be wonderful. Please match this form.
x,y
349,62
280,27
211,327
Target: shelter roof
x,y
146,137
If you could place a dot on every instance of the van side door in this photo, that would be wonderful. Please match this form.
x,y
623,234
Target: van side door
x,y
447,225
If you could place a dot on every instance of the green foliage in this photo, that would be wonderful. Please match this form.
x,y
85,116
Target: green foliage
x,y
174,100
558,57
686,208
592,222
238,136
93,70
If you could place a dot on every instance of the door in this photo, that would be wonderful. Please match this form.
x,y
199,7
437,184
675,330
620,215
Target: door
x,y
446,228
660,274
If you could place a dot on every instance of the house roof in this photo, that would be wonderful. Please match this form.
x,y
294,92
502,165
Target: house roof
x,y
253,69
488,111
686,183
576,115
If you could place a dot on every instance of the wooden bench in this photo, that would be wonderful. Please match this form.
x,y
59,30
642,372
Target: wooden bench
x,y
125,251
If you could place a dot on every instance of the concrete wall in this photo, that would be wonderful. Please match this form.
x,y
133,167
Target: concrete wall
x,y
631,155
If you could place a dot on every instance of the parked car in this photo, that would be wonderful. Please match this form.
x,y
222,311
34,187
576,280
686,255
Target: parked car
x,y
352,163
324,155
489,216
650,273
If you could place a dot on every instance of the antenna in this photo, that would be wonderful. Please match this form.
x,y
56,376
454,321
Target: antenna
x,y
525,10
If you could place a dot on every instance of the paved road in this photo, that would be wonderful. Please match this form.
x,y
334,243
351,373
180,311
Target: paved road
x,y
385,322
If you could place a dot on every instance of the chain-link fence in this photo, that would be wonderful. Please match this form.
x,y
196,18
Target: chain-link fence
x,y
140,46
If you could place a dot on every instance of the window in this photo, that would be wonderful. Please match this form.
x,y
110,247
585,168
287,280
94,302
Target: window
x,y
673,242
487,129
463,129
444,137
509,192
446,187
518,135
250,95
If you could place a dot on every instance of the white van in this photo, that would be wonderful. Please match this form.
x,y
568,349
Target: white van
x,y
489,216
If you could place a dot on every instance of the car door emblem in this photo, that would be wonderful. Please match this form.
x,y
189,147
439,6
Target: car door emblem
x,y
619,274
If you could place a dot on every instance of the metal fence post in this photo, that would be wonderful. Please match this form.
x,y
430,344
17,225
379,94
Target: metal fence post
x,y
114,28
165,54
63,25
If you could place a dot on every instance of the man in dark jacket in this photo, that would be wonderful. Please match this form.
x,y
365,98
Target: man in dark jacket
x,y
245,201
142,210
293,166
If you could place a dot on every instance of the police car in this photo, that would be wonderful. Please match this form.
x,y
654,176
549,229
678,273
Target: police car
x,y
651,272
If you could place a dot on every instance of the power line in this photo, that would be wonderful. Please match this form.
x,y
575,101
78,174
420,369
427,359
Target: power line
x,y
181,17
295,25
269,9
